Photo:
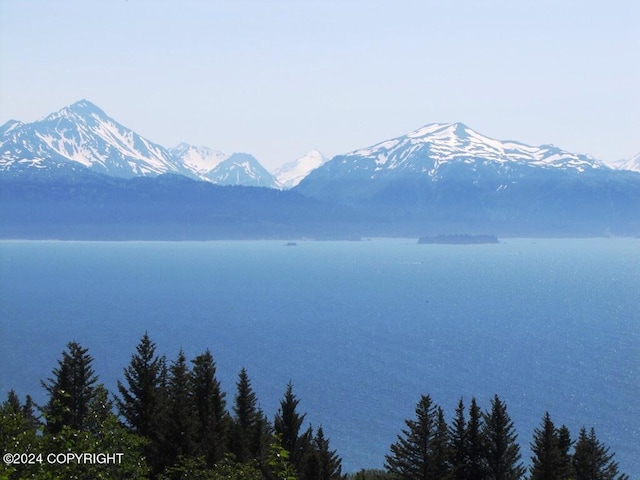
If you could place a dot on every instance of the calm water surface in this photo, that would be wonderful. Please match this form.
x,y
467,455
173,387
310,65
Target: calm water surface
x,y
360,328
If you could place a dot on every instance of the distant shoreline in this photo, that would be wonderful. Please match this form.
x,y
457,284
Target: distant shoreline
x,y
459,239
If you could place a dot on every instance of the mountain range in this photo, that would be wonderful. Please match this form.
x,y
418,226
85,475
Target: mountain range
x,y
440,178
450,177
83,135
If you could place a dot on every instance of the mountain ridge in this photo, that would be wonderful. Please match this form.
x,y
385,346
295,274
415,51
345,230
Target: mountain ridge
x,y
85,134
442,178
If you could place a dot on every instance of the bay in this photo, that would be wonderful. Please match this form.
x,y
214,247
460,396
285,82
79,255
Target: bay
x,y
360,328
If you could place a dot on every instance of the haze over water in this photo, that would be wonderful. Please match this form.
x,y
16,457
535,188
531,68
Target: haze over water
x,y
360,328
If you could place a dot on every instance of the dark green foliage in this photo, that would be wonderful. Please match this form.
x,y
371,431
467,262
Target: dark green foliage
x,y
502,452
212,419
459,455
414,455
371,474
287,424
441,448
250,430
25,413
278,465
177,427
592,460
197,469
18,434
475,463
547,461
180,425
102,433
564,445
143,401
321,463
70,390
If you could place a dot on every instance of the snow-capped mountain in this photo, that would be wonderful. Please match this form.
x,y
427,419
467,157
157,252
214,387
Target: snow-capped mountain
x,y
198,159
447,178
291,174
632,163
84,134
439,151
426,149
241,169
81,136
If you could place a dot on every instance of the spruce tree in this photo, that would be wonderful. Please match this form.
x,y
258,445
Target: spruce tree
x,y
25,412
287,424
180,425
212,419
70,390
459,455
441,448
142,401
250,428
546,462
564,446
412,456
18,434
592,460
475,467
321,463
502,452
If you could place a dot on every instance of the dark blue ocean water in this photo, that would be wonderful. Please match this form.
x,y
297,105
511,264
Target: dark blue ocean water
x,y
360,328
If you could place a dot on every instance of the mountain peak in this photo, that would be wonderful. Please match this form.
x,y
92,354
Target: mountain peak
x,y
84,107
439,129
241,168
10,125
291,173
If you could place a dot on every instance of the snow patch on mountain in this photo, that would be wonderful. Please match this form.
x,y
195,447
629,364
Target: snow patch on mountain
x,y
241,169
84,134
291,174
632,163
199,159
433,145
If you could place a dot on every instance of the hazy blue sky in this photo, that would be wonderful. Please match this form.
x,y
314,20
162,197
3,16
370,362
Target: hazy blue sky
x,y
278,78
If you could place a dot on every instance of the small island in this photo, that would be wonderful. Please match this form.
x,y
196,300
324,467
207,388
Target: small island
x,y
459,239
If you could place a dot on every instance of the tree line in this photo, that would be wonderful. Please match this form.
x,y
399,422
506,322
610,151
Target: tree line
x,y
170,420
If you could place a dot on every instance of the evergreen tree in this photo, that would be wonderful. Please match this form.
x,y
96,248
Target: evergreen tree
x,y
70,390
26,412
475,467
212,420
546,462
441,448
287,425
179,437
564,446
321,462
249,436
102,432
459,455
502,452
592,460
18,434
142,402
412,456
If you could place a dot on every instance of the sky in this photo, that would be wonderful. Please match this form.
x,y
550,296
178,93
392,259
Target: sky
x,y
279,78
